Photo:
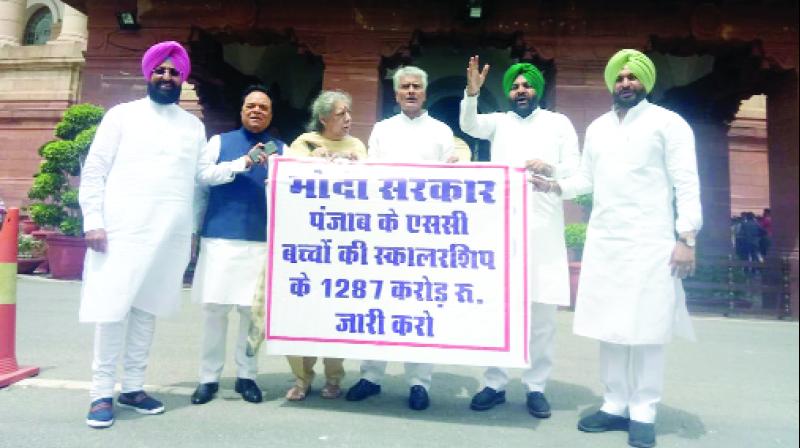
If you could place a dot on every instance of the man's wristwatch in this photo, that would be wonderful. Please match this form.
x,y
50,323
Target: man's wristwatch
x,y
689,241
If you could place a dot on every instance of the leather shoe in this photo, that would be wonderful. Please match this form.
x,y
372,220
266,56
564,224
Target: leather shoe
x,y
362,389
204,393
602,421
418,398
249,390
487,399
641,435
538,405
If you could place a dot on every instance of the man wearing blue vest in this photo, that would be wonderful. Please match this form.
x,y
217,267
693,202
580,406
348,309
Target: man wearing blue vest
x,y
233,242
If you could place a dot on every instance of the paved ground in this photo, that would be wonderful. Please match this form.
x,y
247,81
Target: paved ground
x,y
736,387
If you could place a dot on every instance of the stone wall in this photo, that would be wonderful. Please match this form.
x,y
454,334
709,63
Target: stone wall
x,y
37,83
355,37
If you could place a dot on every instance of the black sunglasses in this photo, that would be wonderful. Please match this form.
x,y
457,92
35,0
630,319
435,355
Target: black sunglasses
x,y
160,71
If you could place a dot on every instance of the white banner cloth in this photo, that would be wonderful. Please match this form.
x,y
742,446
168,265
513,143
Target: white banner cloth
x,y
398,262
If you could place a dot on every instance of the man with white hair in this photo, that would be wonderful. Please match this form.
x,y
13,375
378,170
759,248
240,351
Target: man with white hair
x,y
233,245
410,136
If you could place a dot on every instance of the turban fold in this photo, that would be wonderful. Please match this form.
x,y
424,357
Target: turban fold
x,y
639,64
531,74
162,51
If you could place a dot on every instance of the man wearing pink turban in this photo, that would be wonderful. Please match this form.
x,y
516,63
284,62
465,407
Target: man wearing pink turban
x,y
161,58
136,194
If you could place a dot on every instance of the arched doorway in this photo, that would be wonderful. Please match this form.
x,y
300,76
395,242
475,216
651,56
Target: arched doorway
x,y
711,79
226,62
706,82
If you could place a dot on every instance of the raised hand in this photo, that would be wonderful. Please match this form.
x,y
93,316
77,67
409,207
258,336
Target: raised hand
x,y
475,77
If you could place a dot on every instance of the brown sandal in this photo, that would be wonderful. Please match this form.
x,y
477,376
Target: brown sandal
x,y
296,393
331,391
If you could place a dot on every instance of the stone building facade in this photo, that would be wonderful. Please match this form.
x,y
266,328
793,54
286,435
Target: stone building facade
x,y
42,44
710,57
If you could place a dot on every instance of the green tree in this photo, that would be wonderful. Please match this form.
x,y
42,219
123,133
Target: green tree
x,y
54,193
575,238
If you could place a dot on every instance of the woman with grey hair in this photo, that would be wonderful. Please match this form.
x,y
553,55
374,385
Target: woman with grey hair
x,y
328,137
329,130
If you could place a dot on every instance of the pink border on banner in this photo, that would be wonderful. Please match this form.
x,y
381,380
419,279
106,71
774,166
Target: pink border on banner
x,y
277,161
525,258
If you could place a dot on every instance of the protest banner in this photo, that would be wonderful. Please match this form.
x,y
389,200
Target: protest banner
x,y
398,262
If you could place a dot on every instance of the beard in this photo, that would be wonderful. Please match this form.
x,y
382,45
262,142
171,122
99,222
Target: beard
x,y
627,103
163,96
527,108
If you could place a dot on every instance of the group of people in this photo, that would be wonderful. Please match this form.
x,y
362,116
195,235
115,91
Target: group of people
x,y
150,161
751,235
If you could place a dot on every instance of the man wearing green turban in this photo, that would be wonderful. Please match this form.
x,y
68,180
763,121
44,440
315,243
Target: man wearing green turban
x,y
639,161
635,68
532,75
529,136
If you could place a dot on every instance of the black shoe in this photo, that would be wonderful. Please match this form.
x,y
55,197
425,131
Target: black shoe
x,y
641,435
487,399
418,398
538,405
249,390
204,393
362,389
602,421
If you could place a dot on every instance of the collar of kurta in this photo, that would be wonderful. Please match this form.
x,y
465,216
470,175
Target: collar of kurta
x,y
407,118
530,116
160,106
634,111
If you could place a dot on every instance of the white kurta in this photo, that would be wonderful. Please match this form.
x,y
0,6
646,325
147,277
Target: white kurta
x,y
403,139
138,184
550,137
636,169
227,270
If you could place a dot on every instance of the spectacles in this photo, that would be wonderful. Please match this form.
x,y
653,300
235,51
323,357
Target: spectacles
x,y
161,71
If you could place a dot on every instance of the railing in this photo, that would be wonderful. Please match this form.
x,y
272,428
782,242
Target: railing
x,y
729,286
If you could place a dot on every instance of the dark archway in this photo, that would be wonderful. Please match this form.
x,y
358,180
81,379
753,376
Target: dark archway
x,y
731,71
226,62
705,82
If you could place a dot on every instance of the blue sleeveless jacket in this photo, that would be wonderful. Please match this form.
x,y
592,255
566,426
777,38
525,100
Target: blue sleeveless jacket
x,y
238,210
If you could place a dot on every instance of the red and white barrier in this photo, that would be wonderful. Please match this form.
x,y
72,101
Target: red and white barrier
x,y
10,371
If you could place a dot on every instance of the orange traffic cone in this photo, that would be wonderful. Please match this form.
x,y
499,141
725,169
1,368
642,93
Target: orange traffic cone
x,y
10,372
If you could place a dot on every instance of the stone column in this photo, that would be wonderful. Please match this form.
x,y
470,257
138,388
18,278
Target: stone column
x,y
351,64
783,141
360,80
73,27
711,143
12,21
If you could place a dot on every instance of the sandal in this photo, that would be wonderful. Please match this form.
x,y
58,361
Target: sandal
x,y
296,393
331,391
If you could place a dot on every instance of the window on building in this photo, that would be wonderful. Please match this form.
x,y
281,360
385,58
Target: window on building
x,y
39,27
